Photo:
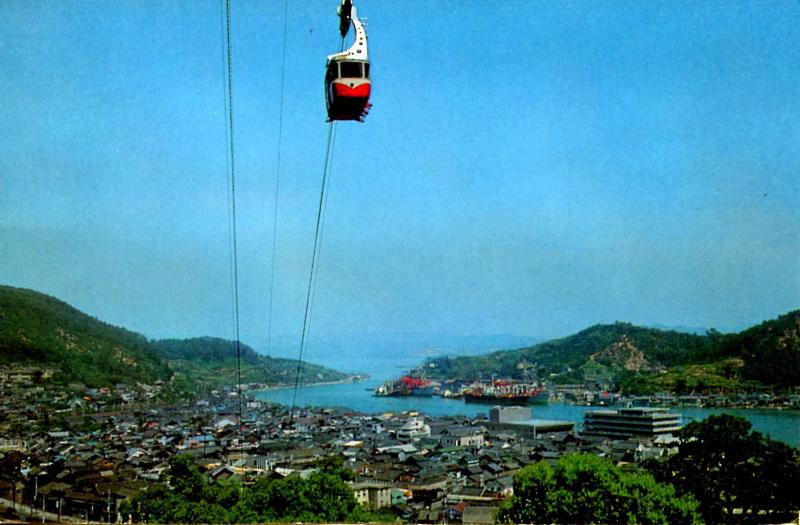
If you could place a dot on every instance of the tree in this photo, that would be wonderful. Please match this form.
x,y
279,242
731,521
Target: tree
x,y
189,497
184,477
583,488
726,466
333,464
322,497
333,500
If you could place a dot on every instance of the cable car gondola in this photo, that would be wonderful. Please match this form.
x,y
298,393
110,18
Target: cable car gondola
x,y
347,84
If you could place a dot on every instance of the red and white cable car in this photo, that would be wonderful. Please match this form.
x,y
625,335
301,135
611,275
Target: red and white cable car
x,y
347,84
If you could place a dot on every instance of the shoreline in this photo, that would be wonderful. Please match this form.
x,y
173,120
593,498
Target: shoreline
x,y
360,378
779,423
747,405
355,378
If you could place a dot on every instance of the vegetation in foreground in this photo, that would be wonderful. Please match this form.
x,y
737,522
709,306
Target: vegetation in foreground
x,y
736,474
187,496
584,488
723,472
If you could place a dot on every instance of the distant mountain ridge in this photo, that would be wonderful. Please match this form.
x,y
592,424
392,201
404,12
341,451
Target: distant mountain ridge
x,y
623,353
41,330
384,355
37,329
697,330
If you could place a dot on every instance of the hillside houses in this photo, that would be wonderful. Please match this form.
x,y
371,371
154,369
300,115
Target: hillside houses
x,y
428,469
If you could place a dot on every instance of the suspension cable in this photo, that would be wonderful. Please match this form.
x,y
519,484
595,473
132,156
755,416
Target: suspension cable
x,y
277,179
223,62
314,257
232,179
314,253
321,235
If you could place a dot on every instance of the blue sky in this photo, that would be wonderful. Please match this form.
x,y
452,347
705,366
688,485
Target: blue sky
x,y
528,167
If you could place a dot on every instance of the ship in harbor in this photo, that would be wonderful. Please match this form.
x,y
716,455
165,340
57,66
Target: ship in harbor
x,y
407,386
504,392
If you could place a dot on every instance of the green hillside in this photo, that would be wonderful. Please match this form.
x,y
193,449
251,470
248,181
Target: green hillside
x,y
36,329
770,351
209,360
600,351
42,330
648,359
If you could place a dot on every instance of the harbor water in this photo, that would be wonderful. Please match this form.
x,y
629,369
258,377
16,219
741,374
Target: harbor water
x,y
783,425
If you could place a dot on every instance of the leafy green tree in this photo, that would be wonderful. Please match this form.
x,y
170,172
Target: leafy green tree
x,y
333,464
184,477
285,498
187,496
650,502
320,497
726,466
534,495
333,500
157,504
583,489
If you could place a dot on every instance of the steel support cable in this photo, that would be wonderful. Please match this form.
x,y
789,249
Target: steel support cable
x,y
314,259
232,178
321,236
277,179
322,231
317,231
223,62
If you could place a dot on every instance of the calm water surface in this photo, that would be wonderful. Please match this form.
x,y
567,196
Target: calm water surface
x,y
783,425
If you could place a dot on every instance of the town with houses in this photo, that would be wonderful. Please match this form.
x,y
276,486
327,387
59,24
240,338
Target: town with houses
x,y
74,454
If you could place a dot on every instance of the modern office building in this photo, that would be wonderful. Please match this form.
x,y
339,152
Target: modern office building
x,y
631,422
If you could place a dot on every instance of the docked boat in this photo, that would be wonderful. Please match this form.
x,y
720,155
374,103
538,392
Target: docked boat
x,y
502,392
407,386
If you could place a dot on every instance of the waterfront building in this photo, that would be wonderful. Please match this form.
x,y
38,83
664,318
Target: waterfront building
x,y
518,420
512,414
631,422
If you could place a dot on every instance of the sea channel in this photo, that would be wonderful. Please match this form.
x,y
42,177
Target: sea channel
x,y
783,425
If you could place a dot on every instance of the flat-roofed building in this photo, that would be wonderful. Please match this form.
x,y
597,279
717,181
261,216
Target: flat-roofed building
x,y
631,422
500,414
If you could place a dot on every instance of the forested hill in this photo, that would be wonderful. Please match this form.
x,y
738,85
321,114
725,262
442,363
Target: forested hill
x,y
207,359
770,350
37,329
597,350
41,330
621,352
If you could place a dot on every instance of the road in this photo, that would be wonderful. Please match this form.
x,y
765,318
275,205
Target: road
x,y
24,511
